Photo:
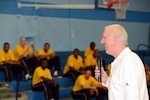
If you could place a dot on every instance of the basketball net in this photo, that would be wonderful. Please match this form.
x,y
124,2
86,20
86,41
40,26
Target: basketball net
x,y
120,7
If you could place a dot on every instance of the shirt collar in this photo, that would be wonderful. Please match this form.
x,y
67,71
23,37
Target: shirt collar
x,y
124,51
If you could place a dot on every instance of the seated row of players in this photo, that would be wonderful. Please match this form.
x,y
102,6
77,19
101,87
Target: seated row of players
x,y
25,57
85,86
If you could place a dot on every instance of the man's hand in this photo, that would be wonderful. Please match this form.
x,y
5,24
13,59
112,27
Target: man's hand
x,y
104,75
93,90
53,82
97,72
31,44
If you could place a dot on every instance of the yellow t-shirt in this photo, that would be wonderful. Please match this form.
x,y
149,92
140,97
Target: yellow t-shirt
x,y
88,51
38,73
18,52
90,61
9,56
81,80
41,52
108,69
73,62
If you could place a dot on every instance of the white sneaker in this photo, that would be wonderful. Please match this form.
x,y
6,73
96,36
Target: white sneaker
x,y
55,74
27,76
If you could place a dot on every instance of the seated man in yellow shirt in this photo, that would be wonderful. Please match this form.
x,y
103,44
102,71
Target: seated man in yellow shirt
x,y
53,58
7,61
91,61
74,65
90,50
27,56
87,86
42,81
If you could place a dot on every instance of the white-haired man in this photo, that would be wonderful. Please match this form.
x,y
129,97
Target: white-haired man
x,y
127,78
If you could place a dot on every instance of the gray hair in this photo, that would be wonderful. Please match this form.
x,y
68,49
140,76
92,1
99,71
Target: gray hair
x,y
120,31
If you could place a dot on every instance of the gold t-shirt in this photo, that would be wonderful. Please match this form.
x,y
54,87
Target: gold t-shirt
x,y
81,80
38,73
41,52
73,62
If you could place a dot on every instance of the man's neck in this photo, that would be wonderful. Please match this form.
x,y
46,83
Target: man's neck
x,y
119,50
6,51
22,46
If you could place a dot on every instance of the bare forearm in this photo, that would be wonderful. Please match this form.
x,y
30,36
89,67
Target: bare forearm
x,y
34,52
45,79
25,54
88,87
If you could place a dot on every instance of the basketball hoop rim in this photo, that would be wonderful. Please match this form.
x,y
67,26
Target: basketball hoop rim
x,y
111,3
118,2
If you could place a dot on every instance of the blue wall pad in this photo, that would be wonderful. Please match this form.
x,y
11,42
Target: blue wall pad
x,y
65,81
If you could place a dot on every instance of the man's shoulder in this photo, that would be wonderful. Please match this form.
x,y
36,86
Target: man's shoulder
x,y
41,49
129,54
81,76
39,68
80,56
3,52
17,46
50,50
87,48
10,51
71,55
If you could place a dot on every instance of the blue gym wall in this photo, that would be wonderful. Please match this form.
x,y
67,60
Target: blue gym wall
x,y
67,29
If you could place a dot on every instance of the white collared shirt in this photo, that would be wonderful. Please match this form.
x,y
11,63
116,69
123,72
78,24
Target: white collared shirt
x,y
127,79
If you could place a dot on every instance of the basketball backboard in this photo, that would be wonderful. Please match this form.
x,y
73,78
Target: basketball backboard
x,y
120,6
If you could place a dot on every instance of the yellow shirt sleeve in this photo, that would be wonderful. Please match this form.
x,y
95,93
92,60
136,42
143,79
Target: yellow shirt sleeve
x,y
1,58
38,73
68,64
11,56
86,52
94,81
80,81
